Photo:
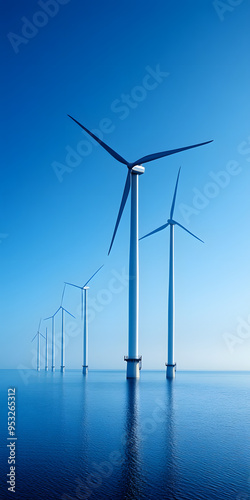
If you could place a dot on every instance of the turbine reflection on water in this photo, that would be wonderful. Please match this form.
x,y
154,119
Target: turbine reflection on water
x,y
131,468
169,473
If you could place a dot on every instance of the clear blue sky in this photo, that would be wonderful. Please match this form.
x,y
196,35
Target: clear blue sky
x,y
96,61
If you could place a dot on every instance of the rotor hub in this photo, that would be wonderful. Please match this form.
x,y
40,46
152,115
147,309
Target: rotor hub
x,y
138,169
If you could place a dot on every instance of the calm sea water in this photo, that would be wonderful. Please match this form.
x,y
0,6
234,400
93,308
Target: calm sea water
x,y
103,437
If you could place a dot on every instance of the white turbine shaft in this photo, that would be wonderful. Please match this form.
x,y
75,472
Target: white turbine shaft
x,y
63,345
53,344
133,360
171,309
133,272
46,351
85,332
38,352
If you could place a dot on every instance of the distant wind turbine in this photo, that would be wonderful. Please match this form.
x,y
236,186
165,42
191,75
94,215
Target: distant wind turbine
x,y
63,334
134,170
171,365
84,319
46,351
53,362
38,344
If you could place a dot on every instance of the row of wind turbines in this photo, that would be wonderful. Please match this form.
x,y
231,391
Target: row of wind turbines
x,y
84,318
133,360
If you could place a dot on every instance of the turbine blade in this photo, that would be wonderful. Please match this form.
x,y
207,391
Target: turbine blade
x,y
174,197
177,223
105,146
93,275
34,337
123,203
63,293
71,284
68,312
155,156
50,317
57,311
39,325
155,231
42,336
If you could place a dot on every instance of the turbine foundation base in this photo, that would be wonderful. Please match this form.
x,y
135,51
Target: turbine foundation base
x,y
133,366
46,368
62,369
85,370
171,369
53,369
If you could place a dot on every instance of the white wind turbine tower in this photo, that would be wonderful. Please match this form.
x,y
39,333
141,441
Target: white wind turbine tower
x,y
171,365
38,345
46,351
53,352
134,170
84,318
62,337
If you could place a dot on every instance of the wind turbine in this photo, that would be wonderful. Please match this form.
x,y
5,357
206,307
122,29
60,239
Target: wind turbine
x,y
134,170
84,320
38,345
53,364
171,365
63,335
46,351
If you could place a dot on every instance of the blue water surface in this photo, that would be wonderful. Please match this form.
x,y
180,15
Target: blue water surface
x,y
103,437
